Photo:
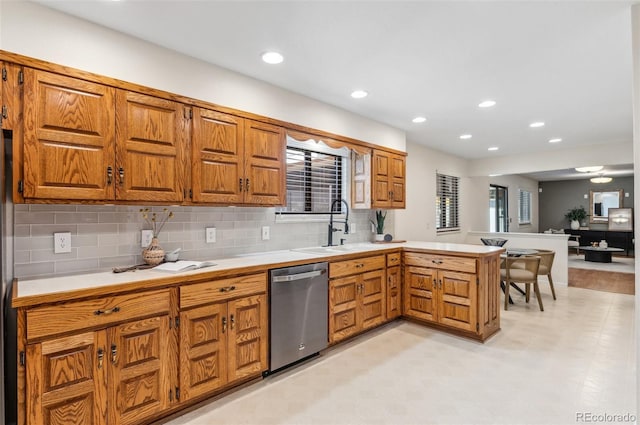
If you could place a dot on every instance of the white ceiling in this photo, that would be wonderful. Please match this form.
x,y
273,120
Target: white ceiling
x,y
565,63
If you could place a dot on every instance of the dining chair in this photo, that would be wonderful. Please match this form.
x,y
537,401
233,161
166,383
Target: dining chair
x,y
524,270
546,262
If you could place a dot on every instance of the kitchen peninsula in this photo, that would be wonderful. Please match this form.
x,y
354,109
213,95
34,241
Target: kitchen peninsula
x,y
143,345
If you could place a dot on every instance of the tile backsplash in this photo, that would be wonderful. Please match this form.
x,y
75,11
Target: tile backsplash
x,y
103,237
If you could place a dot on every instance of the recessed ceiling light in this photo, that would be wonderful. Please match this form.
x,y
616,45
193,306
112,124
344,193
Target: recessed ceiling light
x,y
493,148
555,140
536,124
272,58
359,94
487,104
418,120
466,136
589,169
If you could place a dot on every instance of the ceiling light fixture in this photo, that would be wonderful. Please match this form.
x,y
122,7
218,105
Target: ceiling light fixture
x,y
556,140
466,136
419,120
359,94
487,104
589,169
272,58
493,148
600,179
536,124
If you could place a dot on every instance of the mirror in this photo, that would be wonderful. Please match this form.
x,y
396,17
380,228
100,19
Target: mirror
x,y
600,202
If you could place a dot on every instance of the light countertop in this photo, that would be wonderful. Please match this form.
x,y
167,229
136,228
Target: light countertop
x,y
42,286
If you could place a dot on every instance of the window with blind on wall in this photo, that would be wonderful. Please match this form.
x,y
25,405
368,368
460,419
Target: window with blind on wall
x,y
315,178
524,206
447,203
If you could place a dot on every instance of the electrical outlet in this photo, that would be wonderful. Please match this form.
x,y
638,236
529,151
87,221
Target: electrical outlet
x,y
145,238
210,234
265,233
61,242
352,228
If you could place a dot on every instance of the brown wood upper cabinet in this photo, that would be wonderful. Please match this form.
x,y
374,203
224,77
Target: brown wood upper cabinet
x,y
237,160
388,180
87,141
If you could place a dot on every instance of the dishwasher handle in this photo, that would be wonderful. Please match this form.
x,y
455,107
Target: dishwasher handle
x,y
298,276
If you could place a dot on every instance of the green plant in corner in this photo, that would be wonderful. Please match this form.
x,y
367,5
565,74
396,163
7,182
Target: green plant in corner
x,y
576,214
379,223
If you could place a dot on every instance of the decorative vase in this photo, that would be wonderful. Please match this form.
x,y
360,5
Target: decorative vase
x,y
575,224
379,237
604,244
153,254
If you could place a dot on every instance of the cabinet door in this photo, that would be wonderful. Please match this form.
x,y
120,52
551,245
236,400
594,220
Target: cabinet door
x,y
248,336
381,180
344,318
151,142
203,350
397,181
457,300
393,293
373,301
69,138
217,155
66,382
419,293
139,382
265,169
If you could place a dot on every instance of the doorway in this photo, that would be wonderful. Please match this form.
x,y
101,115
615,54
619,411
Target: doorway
x,y
498,208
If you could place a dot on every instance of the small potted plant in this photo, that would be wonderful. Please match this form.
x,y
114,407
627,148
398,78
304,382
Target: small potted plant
x,y
576,215
379,225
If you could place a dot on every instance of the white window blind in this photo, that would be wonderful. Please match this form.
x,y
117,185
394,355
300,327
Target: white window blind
x,y
524,206
314,181
447,189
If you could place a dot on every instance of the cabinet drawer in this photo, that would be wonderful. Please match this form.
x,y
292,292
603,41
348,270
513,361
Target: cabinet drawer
x,y
44,321
222,289
444,262
393,259
359,265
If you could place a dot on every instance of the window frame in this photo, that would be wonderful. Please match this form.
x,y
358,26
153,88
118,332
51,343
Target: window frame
x,y
443,180
318,146
524,220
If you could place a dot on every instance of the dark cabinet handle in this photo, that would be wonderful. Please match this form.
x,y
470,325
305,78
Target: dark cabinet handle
x,y
233,321
107,312
224,324
100,357
109,175
240,185
247,188
121,173
114,353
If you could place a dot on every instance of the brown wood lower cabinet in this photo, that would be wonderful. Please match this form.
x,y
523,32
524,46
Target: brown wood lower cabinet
x,y
116,375
224,341
356,296
394,285
455,292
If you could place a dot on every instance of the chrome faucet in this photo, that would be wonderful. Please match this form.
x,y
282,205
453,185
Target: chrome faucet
x,y
346,221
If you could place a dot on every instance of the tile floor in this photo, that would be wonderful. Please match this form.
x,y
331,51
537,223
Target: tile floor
x,y
541,368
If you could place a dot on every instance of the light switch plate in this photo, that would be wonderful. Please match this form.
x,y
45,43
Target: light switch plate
x,y
266,234
210,235
61,242
352,228
145,238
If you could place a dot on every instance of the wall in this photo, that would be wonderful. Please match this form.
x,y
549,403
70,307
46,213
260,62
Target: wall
x,y
103,237
513,183
557,197
417,221
34,30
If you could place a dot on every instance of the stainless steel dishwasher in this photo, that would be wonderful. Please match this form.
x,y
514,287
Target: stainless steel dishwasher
x,y
299,313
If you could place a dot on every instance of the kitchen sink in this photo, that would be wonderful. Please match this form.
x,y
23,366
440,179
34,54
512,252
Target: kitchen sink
x,y
328,249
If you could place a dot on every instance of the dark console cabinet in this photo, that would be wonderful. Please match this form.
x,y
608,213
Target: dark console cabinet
x,y
622,240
